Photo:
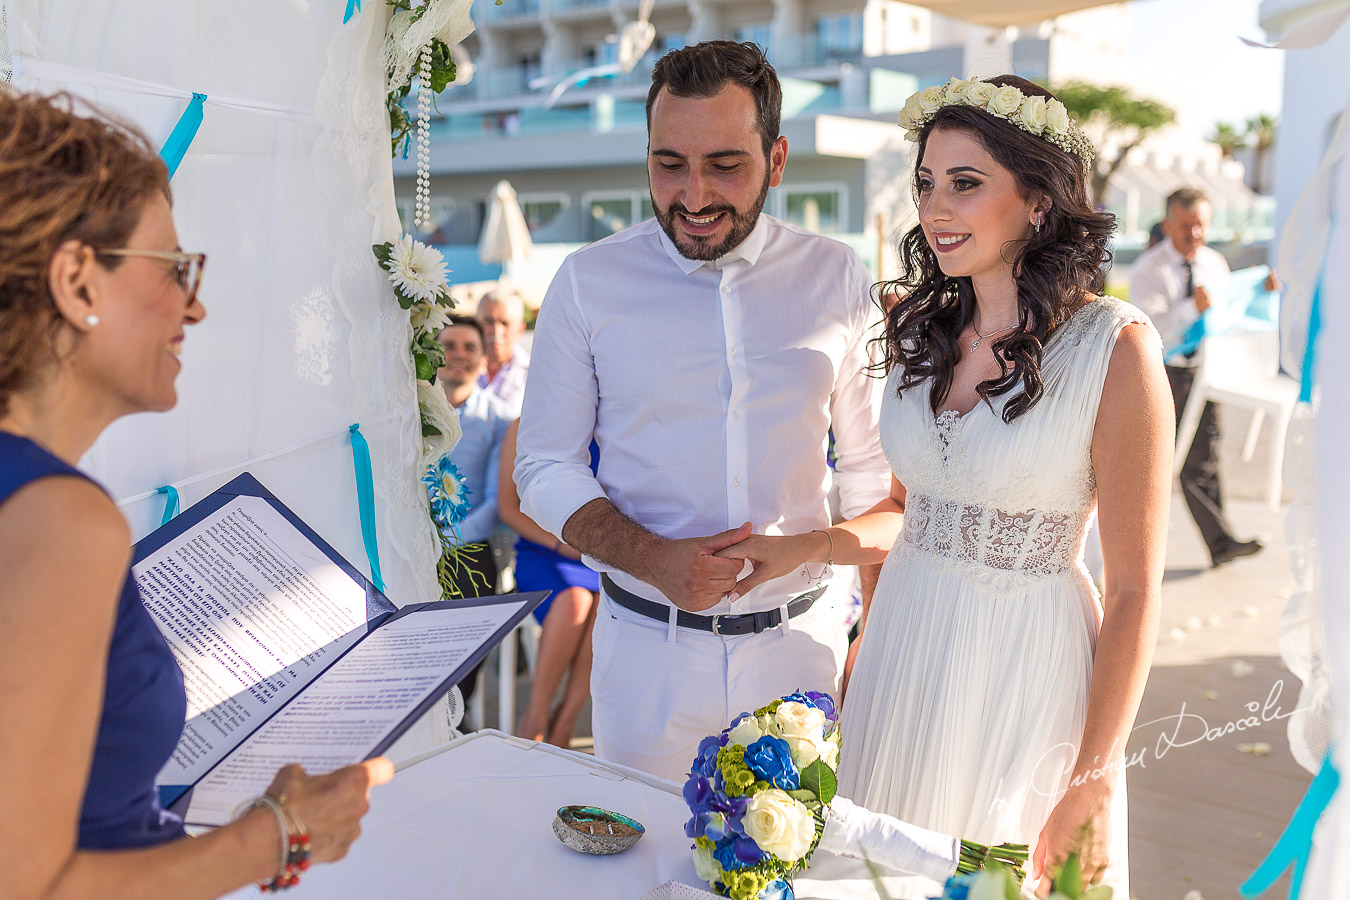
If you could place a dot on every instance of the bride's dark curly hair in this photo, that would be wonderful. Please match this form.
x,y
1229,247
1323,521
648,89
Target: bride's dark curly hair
x,y
1054,269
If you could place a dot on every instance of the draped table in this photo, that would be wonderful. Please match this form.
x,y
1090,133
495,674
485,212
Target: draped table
x,y
473,819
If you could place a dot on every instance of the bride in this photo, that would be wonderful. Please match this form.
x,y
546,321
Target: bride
x,y
993,690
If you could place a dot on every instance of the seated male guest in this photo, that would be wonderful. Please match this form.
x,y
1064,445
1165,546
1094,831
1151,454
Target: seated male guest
x,y
484,420
502,315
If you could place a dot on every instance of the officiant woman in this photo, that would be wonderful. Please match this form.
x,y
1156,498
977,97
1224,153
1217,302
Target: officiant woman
x,y
95,296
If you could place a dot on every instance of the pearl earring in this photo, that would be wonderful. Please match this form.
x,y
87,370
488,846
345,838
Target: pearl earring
x,y
91,320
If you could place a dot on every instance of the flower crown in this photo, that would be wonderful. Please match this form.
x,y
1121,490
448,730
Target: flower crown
x,y
1044,117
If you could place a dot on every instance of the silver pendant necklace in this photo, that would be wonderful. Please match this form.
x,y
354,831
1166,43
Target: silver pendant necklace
x,y
975,344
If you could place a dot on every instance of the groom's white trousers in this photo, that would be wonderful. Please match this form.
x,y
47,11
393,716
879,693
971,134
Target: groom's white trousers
x,y
653,699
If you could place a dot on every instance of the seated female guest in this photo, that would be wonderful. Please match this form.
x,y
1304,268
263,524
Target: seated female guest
x,y
94,298
545,563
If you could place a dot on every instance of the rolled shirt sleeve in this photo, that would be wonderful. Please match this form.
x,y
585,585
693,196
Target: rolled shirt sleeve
x,y
553,472
860,469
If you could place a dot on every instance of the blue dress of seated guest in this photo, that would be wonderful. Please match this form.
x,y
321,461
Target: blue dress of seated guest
x,y
143,701
544,569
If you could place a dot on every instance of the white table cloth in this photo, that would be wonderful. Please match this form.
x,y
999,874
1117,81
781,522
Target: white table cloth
x,y
474,820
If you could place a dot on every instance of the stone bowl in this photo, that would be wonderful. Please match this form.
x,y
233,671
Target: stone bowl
x,y
590,829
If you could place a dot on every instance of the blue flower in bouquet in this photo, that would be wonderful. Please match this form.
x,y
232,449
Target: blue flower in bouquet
x,y
705,763
735,852
824,703
771,759
699,794
777,890
449,495
958,887
734,809
711,825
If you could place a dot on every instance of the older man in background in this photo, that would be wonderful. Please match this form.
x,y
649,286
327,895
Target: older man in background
x,y
1172,281
502,315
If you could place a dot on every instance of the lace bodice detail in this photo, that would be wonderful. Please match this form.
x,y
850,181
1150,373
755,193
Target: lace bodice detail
x,y
1007,504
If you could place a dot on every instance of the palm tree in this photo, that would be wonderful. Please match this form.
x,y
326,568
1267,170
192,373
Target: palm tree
x,y
1107,112
1261,131
1229,139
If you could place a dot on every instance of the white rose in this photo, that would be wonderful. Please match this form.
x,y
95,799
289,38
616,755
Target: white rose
x,y
931,98
746,732
806,750
956,91
1032,114
979,93
907,119
1005,101
799,720
779,825
707,867
1056,118
432,403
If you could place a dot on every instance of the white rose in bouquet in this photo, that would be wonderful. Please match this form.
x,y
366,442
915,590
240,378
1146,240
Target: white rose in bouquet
x,y
746,732
799,720
706,867
779,824
806,750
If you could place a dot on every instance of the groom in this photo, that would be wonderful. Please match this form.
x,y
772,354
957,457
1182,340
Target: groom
x,y
709,352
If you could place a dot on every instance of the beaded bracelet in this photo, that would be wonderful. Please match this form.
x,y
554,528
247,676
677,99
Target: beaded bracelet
x,y
295,844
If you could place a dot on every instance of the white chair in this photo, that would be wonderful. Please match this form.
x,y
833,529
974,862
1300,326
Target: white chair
x,y
1241,368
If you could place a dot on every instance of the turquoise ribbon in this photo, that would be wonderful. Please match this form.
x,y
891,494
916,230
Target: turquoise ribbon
x,y
1295,845
1305,390
170,505
365,501
181,137
353,7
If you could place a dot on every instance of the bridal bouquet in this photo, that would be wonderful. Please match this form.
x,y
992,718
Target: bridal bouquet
x,y
758,793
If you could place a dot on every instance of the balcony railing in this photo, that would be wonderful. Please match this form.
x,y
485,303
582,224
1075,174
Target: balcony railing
x,y
507,9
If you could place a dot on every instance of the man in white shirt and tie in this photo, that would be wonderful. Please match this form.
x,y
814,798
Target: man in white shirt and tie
x,y
709,351
1171,282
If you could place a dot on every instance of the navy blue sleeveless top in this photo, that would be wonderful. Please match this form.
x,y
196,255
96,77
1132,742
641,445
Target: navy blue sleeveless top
x,y
143,702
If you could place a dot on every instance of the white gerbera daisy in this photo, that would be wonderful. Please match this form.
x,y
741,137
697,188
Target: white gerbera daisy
x,y
431,317
416,269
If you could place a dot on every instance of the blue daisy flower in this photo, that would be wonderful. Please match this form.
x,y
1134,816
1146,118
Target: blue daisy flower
x,y
449,495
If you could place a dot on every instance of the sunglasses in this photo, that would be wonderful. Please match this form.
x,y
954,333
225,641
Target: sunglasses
x,y
187,269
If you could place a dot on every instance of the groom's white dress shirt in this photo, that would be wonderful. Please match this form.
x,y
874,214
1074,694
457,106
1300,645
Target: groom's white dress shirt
x,y
710,388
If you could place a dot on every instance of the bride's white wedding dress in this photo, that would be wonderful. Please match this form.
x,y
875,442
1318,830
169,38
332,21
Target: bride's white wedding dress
x,y
969,694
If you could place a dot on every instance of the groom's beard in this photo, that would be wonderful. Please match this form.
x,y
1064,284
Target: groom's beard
x,y
701,248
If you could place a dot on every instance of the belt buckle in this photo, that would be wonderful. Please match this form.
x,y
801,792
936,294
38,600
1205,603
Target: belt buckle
x,y
716,625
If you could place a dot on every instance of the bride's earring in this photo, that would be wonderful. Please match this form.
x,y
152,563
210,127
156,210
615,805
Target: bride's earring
x,y
1039,220
91,320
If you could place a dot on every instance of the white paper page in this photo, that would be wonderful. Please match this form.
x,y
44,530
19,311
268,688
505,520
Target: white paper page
x,y
253,610
347,711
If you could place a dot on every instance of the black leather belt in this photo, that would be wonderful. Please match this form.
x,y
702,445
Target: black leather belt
x,y
748,623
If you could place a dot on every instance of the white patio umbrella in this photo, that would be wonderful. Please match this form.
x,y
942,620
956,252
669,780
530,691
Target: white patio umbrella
x,y
1000,13
506,237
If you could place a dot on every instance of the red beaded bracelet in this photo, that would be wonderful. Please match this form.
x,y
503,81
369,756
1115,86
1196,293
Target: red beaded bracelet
x,y
295,844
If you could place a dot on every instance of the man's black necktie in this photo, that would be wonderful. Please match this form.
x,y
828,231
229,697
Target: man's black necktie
x,y
1190,277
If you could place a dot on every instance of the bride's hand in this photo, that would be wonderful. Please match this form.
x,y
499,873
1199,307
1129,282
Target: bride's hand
x,y
772,556
1080,823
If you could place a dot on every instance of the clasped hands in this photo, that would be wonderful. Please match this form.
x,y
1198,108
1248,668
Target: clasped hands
x,y
697,573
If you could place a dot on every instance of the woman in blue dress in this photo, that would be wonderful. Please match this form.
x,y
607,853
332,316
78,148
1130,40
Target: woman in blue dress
x,y
546,563
94,299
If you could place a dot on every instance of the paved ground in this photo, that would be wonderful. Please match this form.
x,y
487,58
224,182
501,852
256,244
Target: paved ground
x,y
1202,812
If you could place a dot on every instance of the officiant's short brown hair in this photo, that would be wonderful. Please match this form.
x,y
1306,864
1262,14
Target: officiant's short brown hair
x,y
63,177
702,70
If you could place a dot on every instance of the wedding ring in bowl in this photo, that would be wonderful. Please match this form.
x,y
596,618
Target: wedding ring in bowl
x,y
590,829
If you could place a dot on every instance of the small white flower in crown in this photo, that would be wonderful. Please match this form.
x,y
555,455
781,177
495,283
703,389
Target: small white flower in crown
x,y
1043,117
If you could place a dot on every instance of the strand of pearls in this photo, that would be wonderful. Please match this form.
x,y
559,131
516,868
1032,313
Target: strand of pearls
x,y
422,215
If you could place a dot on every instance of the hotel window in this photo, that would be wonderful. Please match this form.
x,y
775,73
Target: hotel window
x,y
609,211
540,210
818,208
841,34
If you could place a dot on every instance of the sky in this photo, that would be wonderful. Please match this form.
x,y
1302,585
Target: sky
x,y
1189,52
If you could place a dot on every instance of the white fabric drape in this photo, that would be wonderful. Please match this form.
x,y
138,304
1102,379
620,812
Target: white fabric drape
x,y
285,188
